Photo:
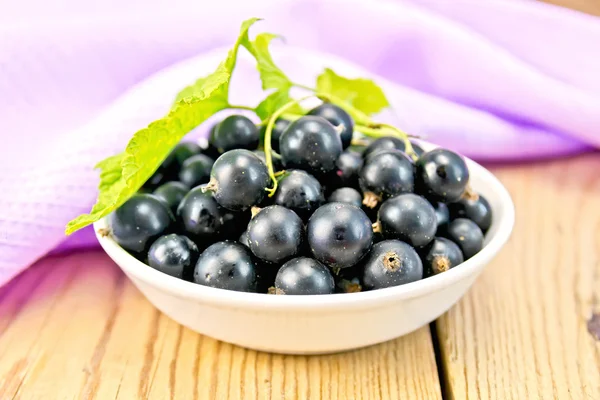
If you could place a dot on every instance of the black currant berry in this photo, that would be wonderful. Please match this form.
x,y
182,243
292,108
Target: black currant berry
x,y
196,170
207,147
239,179
159,177
169,168
386,174
408,217
171,193
441,255
199,215
174,255
466,234
275,234
226,265
181,152
346,195
300,192
280,126
310,143
304,276
474,207
442,214
265,272
140,221
337,117
441,175
235,132
347,168
339,235
391,263
383,144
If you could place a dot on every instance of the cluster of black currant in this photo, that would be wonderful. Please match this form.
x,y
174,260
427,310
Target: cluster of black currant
x,y
341,216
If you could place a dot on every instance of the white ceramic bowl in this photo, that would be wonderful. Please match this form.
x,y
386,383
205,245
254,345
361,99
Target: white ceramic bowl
x,y
289,324
326,323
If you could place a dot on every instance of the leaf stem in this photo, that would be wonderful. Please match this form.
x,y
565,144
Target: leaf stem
x,y
301,86
407,144
268,135
359,142
291,117
240,107
388,130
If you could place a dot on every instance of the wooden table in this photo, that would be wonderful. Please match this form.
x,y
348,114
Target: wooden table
x,y
73,327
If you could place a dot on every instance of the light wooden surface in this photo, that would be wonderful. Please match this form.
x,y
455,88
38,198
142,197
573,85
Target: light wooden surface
x,y
586,6
521,332
73,327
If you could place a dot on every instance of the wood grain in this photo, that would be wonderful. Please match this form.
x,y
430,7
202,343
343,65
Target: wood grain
x,y
73,327
521,332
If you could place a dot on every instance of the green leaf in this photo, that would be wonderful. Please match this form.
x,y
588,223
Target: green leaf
x,y
122,175
219,80
275,101
111,188
150,146
362,94
271,75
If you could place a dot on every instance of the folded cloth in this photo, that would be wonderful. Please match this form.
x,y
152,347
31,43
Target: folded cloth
x,y
496,80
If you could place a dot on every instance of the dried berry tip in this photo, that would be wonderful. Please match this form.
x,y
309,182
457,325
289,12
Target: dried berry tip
x,y
377,227
255,210
351,287
212,185
371,200
103,232
440,264
470,194
391,261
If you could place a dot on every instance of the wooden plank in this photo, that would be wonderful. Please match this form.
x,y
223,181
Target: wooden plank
x,y
521,332
586,6
73,327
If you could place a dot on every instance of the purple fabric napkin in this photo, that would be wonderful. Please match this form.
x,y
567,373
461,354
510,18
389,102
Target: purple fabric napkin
x,y
495,80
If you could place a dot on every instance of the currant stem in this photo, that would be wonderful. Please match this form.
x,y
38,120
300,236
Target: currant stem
x,y
240,107
407,144
291,117
269,134
388,130
301,86
359,142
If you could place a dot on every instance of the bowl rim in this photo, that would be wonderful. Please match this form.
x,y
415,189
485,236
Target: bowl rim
x,y
232,299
